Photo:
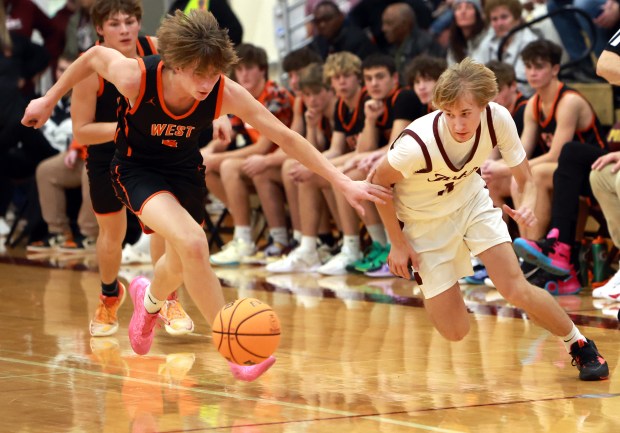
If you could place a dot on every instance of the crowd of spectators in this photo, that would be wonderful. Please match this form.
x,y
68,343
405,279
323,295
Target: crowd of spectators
x,y
367,72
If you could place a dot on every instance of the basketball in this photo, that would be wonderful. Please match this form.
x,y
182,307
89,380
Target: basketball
x,y
246,331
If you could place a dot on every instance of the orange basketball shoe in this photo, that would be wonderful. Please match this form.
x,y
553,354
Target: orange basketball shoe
x,y
105,322
176,320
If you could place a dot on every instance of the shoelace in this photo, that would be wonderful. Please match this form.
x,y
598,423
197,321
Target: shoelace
x,y
175,311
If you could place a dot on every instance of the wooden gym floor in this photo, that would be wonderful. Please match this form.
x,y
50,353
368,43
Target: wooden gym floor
x,y
357,355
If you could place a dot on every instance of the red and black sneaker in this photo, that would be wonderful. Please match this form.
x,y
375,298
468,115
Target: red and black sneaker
x,y
589,362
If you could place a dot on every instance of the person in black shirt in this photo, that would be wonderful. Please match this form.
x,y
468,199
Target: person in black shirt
x,y
157,169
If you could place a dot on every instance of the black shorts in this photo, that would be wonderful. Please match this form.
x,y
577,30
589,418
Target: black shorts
x,y
102,192
136,183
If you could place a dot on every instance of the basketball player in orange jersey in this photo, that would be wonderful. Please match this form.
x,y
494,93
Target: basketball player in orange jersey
x,y
94,124
447,212
157,167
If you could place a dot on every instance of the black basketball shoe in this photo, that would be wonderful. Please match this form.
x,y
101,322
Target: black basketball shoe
x,y
589,362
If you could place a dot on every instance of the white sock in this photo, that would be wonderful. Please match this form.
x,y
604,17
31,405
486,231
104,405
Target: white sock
x,y
377,233
244,233
279,234
151,303
308,244
351,244
573,336
297,235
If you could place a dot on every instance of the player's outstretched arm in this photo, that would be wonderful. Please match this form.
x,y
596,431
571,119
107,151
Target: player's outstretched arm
x,y
238,101
121,71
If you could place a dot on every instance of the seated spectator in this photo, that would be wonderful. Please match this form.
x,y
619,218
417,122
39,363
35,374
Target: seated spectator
x,y
309,6
388,110
20,61
407,40
582,171
59,173
421,75
80,33
229,174
467,31
343,71
334,34
319,103
509,95
554,116
292,64
367,15
503,16
24,17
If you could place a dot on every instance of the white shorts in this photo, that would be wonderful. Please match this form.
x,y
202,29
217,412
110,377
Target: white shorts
x,y
444,244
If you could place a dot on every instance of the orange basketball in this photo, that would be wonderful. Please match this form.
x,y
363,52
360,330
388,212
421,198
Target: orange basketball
x,y
246,331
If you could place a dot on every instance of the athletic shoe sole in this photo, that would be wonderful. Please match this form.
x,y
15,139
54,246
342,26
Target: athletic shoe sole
x,y
530,255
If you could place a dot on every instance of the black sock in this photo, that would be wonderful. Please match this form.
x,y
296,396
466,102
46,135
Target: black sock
x,y
327,239
109,289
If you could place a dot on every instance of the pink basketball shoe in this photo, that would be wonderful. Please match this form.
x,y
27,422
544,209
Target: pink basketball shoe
x,y
142,324
549,254
249,373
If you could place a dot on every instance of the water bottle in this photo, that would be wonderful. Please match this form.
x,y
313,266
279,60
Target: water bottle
x,y
585,256
599,260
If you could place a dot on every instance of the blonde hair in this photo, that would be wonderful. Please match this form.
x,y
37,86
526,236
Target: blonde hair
x,y
468,76
195,40
342,63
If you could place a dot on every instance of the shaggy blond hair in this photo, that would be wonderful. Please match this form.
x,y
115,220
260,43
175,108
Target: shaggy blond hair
x,y
195,40
342,63
468,76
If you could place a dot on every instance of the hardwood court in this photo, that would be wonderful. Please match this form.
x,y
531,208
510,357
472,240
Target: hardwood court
x,y
357,355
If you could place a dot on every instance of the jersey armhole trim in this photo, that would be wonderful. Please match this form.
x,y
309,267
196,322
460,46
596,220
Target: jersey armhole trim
x,y
138,100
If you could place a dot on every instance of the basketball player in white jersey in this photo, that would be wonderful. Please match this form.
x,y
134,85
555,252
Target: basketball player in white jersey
x,y
447,213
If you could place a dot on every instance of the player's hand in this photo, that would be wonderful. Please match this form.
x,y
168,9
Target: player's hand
x,y
524,215
356,191
222,129
610,158
492,170
313,118
609,16
37,112
370,161
254,164
300,173
403,261
373,109
70,158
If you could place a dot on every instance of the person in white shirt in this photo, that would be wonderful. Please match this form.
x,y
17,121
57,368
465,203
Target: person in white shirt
x,y
503,16
447,213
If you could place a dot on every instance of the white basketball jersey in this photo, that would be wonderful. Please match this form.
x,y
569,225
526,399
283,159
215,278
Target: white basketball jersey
x,y
442,174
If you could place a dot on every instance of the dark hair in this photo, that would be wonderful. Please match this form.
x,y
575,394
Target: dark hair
x,y
424,66
378,61
251,55
328,3
458,42
542,50
504,73
311,78
300,58
102,10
